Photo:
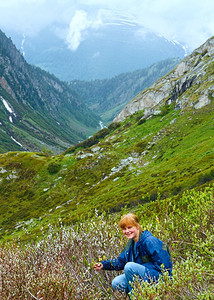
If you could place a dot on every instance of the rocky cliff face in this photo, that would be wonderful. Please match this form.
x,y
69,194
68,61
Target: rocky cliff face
x,y
174,87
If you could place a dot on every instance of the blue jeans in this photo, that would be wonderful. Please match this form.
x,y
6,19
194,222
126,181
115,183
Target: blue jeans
x,y
123,282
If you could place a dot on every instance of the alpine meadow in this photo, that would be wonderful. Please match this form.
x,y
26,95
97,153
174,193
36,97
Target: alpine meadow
x,y
59,213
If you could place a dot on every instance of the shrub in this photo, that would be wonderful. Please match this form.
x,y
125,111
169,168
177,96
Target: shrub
x,y
60,266
141,121
206,177
114,126
165,110
190,281
46,152
53,167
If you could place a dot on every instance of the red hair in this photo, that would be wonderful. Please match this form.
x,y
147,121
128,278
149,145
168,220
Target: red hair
x,y
129,220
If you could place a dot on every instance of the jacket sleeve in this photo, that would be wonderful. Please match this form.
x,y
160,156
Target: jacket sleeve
x,y
115,264
155,249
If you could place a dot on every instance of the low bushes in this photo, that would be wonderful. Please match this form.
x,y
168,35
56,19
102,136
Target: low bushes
x,y
190,281
60,265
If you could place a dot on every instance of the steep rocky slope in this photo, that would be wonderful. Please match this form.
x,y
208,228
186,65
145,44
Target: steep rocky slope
x,y
36,109
183,85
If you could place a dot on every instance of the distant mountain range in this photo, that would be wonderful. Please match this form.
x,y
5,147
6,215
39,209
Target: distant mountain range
x,y
116,47
108,97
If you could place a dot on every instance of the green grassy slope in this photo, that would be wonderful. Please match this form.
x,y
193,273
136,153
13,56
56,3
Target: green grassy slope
x,y
135,163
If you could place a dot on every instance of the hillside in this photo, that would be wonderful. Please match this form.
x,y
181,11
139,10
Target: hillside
x,y
108,97
36,109
135,161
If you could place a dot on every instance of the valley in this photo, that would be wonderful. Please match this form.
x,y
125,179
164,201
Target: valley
x,y
59,212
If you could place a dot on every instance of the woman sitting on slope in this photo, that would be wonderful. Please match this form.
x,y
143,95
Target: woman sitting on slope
x,y
142,257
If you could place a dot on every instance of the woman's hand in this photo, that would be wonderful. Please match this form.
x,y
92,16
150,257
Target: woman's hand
x,y
98,266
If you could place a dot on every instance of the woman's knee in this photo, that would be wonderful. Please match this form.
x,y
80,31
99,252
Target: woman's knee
x,y
134,269
128,266
119,283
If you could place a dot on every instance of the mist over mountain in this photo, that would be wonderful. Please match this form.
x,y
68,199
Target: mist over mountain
x,y
118,46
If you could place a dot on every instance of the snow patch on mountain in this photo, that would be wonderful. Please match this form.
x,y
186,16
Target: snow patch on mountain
x,y
9,109
22,45
16,141
7,106
175,42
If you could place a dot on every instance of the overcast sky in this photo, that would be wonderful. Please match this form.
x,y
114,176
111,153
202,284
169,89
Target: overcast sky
x,y
190,22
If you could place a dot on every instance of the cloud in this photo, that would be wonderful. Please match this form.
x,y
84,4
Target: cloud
x,y
190,22
78,28
31,16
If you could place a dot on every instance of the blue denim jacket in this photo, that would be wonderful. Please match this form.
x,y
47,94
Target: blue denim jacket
x,y
150,252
